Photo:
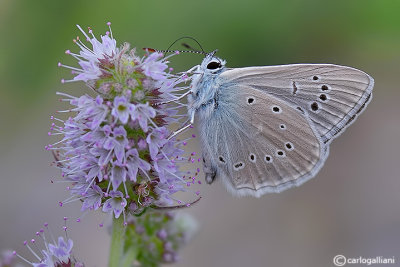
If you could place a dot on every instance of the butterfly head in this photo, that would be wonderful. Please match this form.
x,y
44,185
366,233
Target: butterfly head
x,y
212,64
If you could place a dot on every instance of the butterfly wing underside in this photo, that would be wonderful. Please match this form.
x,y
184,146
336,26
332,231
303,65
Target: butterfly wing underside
x,y
331,95
257,143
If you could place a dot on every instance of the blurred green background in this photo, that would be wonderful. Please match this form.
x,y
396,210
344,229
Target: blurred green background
x,y
350,208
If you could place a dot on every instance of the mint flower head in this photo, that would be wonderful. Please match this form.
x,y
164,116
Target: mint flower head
x,y
116,147
54,252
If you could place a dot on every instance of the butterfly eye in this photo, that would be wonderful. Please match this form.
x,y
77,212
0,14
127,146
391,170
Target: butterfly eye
x,y
214,65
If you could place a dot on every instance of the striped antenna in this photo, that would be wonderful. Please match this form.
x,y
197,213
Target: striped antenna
x,y
191,38
181,51
173,51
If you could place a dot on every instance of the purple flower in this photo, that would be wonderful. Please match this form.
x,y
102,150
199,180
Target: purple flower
x,y
162,234
142,145
53,254
165,169
115,204
90,71
97,137
142,113
91,60
95,170
117,143
153,67
63,250
91,110
107,48
118,175
80,185
93,197
121,109
103,155
46,261
157,139
134,163
169,257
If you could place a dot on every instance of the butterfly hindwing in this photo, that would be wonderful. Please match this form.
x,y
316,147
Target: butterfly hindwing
x,y
257,143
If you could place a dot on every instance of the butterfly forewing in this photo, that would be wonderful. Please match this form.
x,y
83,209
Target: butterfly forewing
x,y
330,95
258,143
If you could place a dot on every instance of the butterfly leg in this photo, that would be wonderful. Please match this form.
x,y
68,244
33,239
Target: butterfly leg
x,y
179,131
176,99
184,127
210,171
191,69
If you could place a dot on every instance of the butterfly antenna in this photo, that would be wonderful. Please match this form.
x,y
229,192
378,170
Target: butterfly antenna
x,y
213,52
187,46
172,51
180,51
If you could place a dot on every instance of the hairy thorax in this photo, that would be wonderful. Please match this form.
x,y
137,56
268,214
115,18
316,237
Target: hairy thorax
x,y
205,95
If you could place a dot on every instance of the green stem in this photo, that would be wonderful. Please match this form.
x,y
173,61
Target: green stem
x,y
130,256
117,242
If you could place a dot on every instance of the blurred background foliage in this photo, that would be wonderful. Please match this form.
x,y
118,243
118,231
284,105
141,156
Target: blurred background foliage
x,y
360,33
36,33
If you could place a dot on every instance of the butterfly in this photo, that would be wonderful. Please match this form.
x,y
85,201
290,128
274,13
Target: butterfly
x,y
267,129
